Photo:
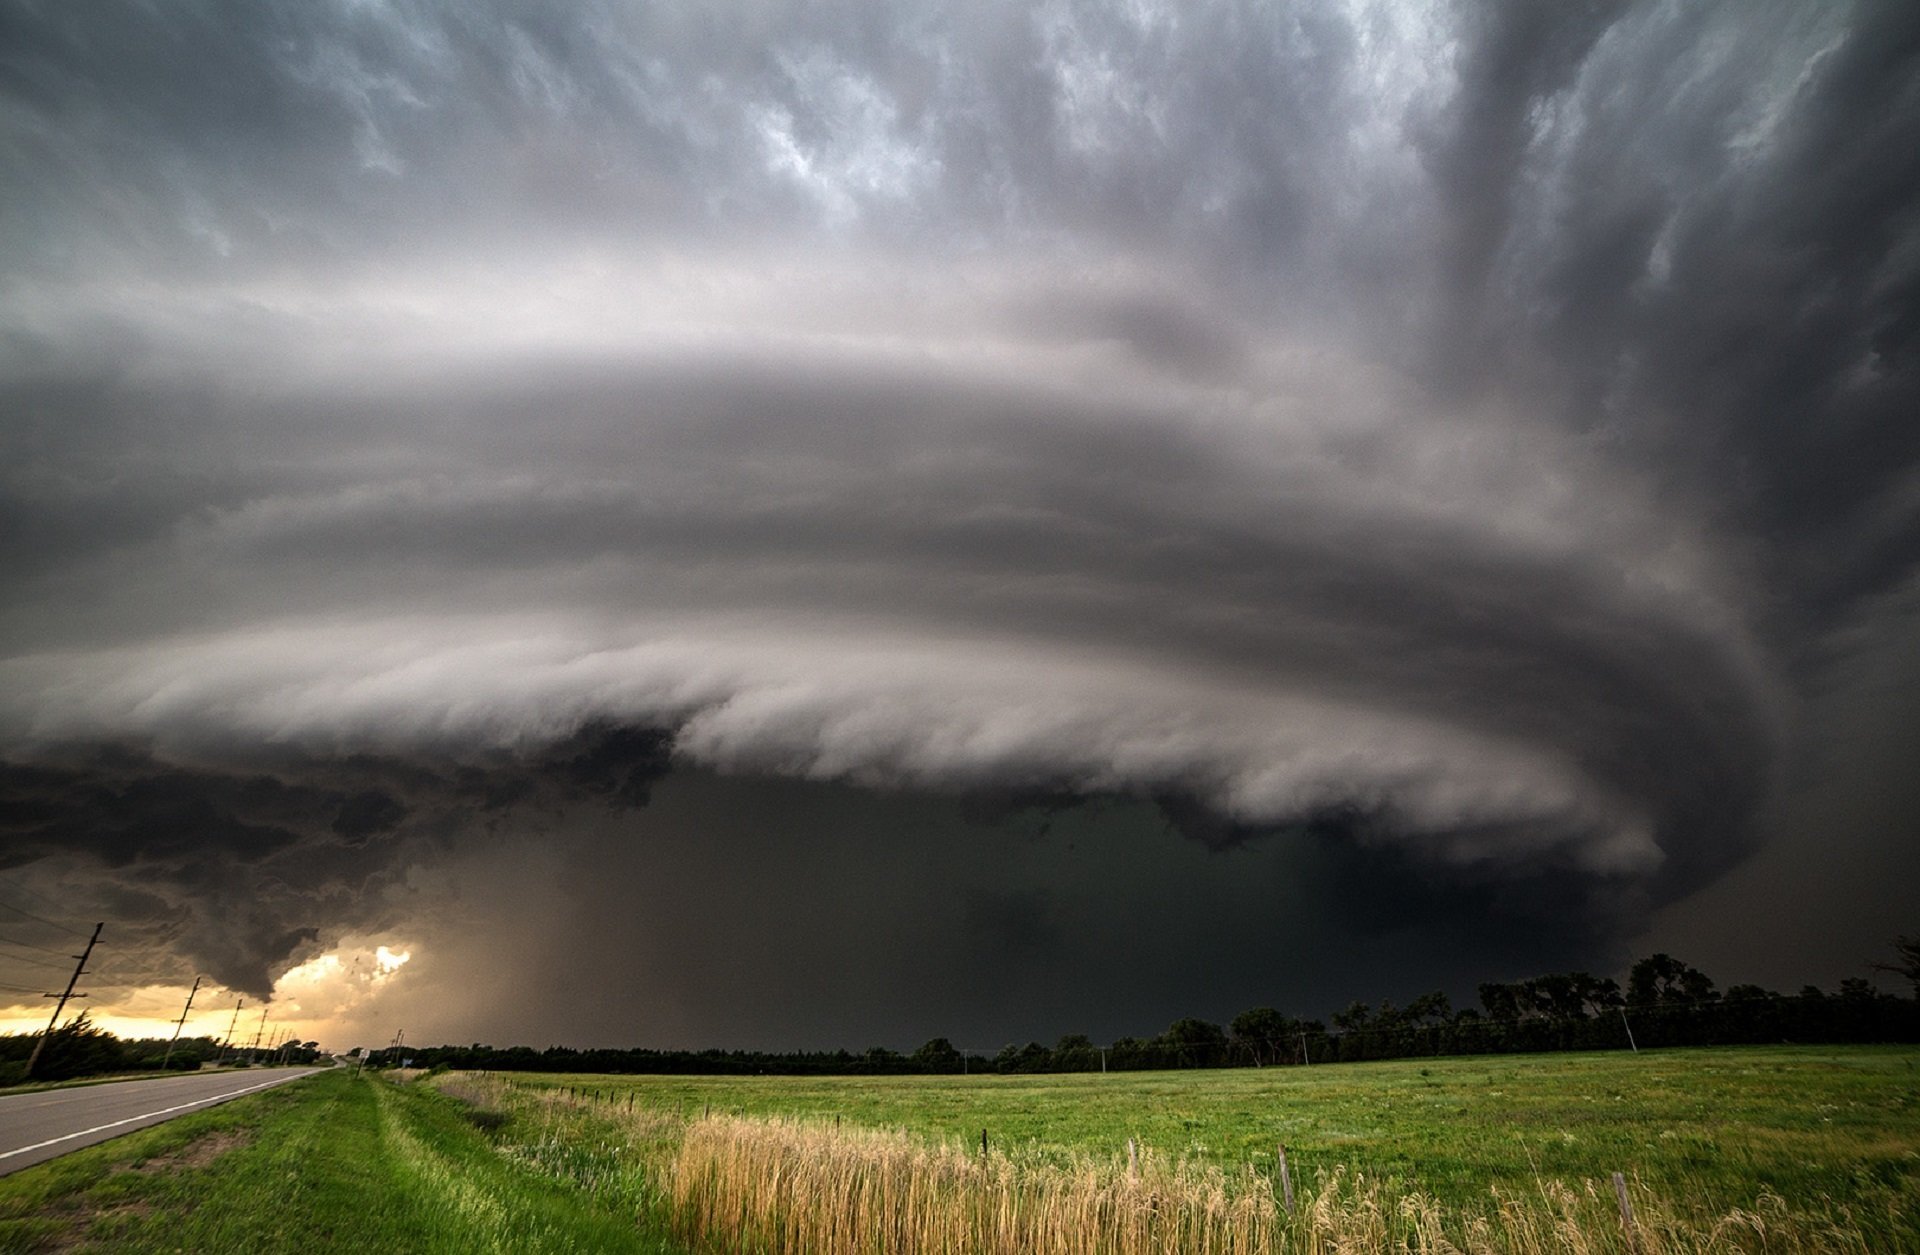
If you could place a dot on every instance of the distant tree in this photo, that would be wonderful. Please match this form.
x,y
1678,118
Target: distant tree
x,y
1032,1057
938,1055
1599,994
1908,962
1662,980
1501,1001
1196,1043
1075,1052
1357,1017
1857,989
880,1061
79,1048
1259,1031
1560,996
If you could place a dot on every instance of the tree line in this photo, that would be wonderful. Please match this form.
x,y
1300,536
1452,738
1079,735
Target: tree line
x,y
81,1048
1665,1003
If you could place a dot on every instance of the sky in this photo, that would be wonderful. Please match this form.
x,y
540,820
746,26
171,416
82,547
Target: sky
x,y
831,524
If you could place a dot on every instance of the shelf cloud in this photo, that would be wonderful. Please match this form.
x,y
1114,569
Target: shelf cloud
x,y
1470,441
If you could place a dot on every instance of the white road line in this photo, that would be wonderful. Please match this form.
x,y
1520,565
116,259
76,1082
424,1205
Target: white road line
x,y
101,1128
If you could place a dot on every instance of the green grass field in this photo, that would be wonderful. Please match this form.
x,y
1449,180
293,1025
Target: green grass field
x,y
333,1163
525,1162
1714,1125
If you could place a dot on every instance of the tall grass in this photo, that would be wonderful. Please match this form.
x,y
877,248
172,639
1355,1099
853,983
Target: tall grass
x,y
781,1185
774,1185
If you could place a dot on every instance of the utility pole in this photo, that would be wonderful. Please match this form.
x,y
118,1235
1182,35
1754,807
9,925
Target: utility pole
x,y
226,1043
180,1024
256,1032
61,1005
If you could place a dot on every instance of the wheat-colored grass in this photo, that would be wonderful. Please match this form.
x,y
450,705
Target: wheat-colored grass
x,y
796,1186
775,1186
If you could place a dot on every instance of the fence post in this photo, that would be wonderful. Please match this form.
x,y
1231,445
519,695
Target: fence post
x,y
983,1143
1626,1213
1286,1180
1133,1160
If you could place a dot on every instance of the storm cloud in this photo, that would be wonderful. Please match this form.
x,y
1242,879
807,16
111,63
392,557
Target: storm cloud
x,y
1466,450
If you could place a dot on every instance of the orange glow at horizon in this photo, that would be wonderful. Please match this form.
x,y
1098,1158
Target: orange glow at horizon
x,y
309,1001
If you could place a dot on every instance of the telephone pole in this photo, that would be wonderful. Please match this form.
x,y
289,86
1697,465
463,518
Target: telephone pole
x,y
226,1043
180,1024
61,1005
260,1030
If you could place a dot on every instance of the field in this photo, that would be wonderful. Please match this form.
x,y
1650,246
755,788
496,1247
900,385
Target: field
x,y
1770,1149
1737,1149
1716,1124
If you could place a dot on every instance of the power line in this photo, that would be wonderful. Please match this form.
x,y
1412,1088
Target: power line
x,y
28,945
133,980
19,989
31,892
143,1005
21,958
41,919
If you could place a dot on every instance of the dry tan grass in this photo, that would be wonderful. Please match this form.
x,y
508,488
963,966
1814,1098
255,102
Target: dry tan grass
x,y
775,1186
772,1186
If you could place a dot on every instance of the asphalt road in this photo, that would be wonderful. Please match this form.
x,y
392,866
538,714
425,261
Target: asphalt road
x,y
47,1123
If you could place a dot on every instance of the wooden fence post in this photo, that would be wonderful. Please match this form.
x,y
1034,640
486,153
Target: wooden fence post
x,y
1286,1180
1626,1213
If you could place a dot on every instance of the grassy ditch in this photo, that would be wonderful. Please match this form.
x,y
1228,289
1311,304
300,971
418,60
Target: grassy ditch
x,y
1723,1150
332,1163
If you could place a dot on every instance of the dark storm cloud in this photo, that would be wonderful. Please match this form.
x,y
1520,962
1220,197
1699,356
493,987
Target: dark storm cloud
x,y
233,864
1453,434
1727,277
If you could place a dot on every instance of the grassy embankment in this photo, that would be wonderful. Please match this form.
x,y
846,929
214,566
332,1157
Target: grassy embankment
x,y
333,1163
1752,1149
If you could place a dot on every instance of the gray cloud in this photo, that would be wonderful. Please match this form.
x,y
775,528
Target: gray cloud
x,y
1450,435
239,862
